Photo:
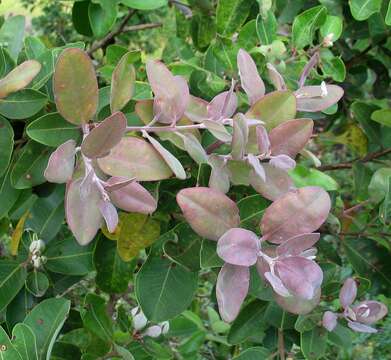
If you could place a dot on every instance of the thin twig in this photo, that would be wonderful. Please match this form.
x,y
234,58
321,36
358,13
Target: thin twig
x,y
141,27
112,34
281,344
349,164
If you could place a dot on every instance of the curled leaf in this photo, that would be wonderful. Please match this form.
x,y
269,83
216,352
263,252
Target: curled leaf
x,y
348,292
240,137
275,77
109,213
223,105
356,326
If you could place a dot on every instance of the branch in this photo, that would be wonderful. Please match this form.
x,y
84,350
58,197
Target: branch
x,y
141,27
349,164
281,344
112,34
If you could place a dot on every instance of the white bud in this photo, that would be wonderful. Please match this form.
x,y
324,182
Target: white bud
x,y
323,89
37,246
153,331
139,321
328,40
165,325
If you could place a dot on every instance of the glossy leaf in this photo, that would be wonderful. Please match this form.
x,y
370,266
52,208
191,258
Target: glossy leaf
x,y
75,86
382,117
37,283
61,163
105,136
297,212
209,212
143,162
362,9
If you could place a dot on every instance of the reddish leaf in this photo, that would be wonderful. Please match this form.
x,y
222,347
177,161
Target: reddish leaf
x,y
275,77
297,305
313,98
282,162
329,320
109,213
297,244
348,293
197,109
61,163
223,105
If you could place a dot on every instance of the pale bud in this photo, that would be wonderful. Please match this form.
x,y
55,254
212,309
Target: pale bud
x,y
328,40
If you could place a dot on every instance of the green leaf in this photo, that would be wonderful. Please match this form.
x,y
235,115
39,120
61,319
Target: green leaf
x,y
102,15
266,27
332,25
382,117
378,186
8,350
208,255
80,18
122,82
230,15
30,166
341,336
388,15
11,35
279,318
37,283
303,176
22,104
164,289
305,25
12,277
248,323
46,320
113,274
274,109
362,113
253,353
385,208
313,343
24,342
66,256
6,144
52,130
251,209
34,47
95,317
363,9
144,4
308,322
75,86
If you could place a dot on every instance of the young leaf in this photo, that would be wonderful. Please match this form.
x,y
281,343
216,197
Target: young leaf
x,y
240,137
122,83
231,290
209,212
276,78
298,211
218,130
313,98
297,244
109,213
61,163
75,86
223,105
348,293
105,136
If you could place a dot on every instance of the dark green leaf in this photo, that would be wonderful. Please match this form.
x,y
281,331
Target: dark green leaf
x,y
6,144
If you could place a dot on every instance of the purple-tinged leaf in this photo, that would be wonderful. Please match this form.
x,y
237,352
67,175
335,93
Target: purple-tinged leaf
x,y
231,290
238,247
329,320
61,163
356,326
117,183
132,197
277,182
297,305
171,92
263,140
123,82
290,137
315,98
307,68
87,183
218,130
276,284
348,293
109,213
18,78
209,212
105,136
297,212
135,157
274,108
282,162
258,168
297,244
170,159
250,80
75,86
239,137
219,176
276,78
83,215
223,106
369,312
195,149
302,277
197,109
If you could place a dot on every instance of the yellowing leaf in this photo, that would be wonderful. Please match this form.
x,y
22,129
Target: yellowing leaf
x,y
355,138
17,234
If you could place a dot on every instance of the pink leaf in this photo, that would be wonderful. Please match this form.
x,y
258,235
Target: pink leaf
x,y
313,98
356,326
209,212
219,176
348,293
276,284
223,105
250,80
277,182
197,109
276,78
297,212
109,213
282,162
61,163
82,215
369,312
302,277
105,136
132,198
290,137
259,171
238,247
239,137
297,305
262,140
117,182
329,320
297,244
231,290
